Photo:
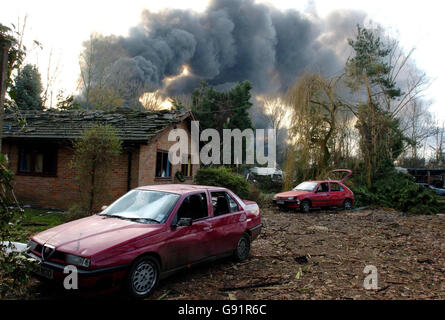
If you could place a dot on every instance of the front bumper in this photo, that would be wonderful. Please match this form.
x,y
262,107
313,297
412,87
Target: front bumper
x,y
102,278
282,203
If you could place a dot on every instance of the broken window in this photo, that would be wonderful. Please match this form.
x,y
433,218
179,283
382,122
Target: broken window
x,y
38,160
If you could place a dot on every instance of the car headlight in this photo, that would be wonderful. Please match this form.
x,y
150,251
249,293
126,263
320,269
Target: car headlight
x,y
291,198
77,261
32,245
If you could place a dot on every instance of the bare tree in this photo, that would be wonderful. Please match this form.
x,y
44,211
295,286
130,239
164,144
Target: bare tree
x,y
276,111
152,100
437,147
315,104
52,73
416,123
86,62
184,100
98,55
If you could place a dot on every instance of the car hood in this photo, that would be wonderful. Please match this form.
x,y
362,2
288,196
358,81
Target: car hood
x,y
91,235
292,193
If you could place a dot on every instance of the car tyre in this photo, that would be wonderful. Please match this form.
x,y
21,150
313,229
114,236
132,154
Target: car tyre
x,y
305,206
242,250
143,277
347,205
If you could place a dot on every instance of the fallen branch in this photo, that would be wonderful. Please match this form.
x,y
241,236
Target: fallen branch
x,y
253,286
395,282
163,295
382,289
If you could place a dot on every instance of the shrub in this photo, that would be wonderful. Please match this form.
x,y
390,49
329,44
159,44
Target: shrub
x,y
223,177
264,200
398,191
94,154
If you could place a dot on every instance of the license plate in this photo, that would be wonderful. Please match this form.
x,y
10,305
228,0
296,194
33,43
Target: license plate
x,y
44,272
280,201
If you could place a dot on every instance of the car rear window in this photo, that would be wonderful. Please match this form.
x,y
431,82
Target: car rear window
x,y
223,203
335,187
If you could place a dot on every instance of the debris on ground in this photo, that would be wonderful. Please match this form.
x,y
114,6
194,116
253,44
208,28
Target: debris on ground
x,y
337,248
322,255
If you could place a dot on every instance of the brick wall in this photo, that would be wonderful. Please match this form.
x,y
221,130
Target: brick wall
x,y
62,192
147,159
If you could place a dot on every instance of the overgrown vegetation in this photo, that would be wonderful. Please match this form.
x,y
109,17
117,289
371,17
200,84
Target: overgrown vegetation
x,y
398,191
94,154
14,267
223,177
330,123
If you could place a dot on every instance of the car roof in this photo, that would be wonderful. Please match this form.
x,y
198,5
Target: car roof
x,y
178,188
322,181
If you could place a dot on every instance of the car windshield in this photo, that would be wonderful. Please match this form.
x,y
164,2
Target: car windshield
x,y
306,186
143,206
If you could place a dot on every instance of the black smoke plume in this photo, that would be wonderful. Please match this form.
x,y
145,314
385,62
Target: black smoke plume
x,y
231,41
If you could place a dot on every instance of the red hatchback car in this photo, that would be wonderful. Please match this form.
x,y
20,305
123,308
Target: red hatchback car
x,y
317,194
147,234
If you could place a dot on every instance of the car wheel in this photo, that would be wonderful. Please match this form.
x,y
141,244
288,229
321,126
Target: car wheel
x,y
305,206
347,205
143,277
242,250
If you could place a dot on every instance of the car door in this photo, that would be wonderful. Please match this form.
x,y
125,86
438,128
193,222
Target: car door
x,y
188,244
320,197
336,194
227,222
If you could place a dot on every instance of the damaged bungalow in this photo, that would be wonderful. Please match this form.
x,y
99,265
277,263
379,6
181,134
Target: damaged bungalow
x,y
38,145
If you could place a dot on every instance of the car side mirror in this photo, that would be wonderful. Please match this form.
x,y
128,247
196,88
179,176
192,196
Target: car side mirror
x,y
103,208
184,222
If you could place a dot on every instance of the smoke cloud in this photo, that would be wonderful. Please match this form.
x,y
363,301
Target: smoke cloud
x,y
231,41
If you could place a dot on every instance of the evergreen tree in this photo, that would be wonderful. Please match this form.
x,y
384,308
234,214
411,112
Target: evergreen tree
x,y
369,72
223,109
28,89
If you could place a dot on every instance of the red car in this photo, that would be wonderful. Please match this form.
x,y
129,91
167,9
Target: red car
x,y
317,194
147,234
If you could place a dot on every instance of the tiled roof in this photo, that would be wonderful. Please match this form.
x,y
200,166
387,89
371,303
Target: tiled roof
x,y
130,125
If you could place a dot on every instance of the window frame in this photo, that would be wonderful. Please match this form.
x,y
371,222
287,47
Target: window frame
x,y
240,208
188,164
164,152
34,149
175,218
320,184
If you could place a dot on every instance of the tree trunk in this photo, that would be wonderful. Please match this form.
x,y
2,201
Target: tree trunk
x,y
372,150
4,49
92,189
